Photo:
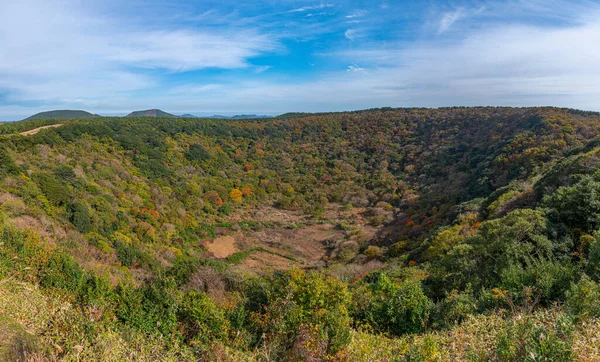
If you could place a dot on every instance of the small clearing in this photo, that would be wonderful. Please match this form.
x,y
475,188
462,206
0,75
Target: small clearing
x,y
223,246
37,130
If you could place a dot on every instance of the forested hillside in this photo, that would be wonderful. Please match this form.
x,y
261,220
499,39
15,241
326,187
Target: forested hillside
x,y
378,235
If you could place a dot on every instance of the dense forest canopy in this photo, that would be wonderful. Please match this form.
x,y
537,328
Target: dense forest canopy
x,y
384,234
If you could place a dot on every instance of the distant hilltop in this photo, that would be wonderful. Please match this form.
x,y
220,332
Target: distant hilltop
x,y
77,114
218,116
150,113
62,114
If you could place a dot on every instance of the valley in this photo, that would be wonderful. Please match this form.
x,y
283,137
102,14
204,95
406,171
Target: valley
x,y
390,234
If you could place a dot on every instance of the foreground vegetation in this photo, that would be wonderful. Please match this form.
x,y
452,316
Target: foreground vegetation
x,y
485,246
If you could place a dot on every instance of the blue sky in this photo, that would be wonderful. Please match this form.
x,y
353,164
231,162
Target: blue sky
x,y
269,57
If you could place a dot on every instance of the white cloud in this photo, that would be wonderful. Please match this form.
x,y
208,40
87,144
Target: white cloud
x,y
359,13
313,7
54,49
354,68
350,34
449,18
502,65
262,68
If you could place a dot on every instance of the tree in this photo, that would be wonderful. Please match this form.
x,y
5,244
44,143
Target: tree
x,y
236,195
213,197
80,217
197,153
576,206
7,165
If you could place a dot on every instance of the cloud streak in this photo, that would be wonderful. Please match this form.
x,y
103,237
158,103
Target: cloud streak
x,y
449,18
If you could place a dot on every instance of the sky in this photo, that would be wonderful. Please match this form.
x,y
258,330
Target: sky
x,y
270,57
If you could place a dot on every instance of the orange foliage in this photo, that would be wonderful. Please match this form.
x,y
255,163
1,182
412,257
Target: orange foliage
x,y
247,191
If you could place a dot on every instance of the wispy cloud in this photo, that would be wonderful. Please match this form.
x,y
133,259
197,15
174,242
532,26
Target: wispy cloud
x,y
262,68
358,13
448,19
313,7
354,68
350,34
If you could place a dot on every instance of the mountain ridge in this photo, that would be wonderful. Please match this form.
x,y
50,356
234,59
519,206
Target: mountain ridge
x,y
151,113
62,114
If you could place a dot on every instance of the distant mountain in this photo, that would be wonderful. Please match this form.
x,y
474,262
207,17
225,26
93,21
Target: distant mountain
x,y
248,116
150,113
187,115
293,115
62,114
238,116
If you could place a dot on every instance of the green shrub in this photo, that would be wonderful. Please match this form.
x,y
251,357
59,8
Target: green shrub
x,y
226,209
577,206
79,215
523,340
454,308
551,279
65,173
389,307
151,308
197,153
373,252
56,192
583,299
296,302
593,260
62,272
202,321
7,164
127,253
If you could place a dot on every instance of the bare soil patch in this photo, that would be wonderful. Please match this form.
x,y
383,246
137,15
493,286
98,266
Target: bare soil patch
x,y
37,130
223,246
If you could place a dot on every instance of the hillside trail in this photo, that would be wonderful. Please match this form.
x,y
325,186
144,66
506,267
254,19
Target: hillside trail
x,y
37,130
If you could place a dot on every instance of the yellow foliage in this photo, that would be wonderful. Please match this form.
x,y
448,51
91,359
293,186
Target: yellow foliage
x,y
236,195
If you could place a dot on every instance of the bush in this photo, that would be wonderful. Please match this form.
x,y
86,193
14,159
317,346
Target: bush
x,y
389,307
79,215
373,252
65,173
296,302
593,262
197,153
62,272
55,191
152,308
551,279
577,206
202,321
523,340
455,308
582,299
7,164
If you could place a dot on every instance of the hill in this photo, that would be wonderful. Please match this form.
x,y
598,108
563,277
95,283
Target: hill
x,y
187,115
385,234
62,114
150,113
248,116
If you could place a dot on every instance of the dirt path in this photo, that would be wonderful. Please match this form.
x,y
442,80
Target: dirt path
x,y
37,130
223,247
